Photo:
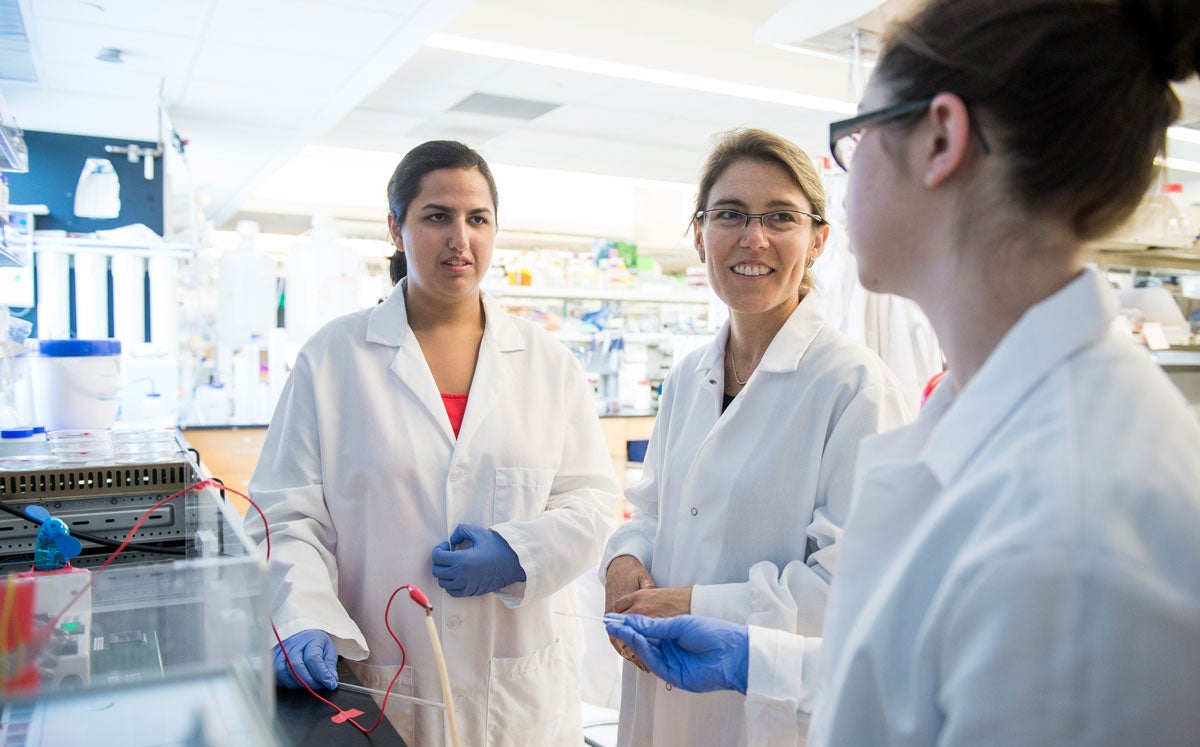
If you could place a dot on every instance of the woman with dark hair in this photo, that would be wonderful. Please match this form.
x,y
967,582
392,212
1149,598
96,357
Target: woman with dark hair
x,y
748,474
1020,566
436,440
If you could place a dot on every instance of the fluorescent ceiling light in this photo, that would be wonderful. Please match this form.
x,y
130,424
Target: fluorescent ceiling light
x,y
867,64
1179,164
633,72
1185,134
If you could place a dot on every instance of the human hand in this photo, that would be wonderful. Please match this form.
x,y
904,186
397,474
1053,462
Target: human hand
x,y
487,564
313,656
668,602
698,654
624,576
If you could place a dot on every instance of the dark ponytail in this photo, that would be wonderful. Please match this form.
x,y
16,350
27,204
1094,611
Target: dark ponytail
x,y
405,183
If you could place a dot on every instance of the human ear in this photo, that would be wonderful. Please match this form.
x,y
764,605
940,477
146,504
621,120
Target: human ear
x,y
946,138
394,231
698,241
821,237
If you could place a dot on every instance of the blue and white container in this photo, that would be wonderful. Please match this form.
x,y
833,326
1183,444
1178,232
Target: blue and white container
x,y
75,383
22,433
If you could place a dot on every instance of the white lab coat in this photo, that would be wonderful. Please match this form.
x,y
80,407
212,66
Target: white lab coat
x,y
361,476
1021,564
728,500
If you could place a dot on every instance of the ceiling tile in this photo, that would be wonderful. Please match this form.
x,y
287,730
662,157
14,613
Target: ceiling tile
x,y
101,79
415,94
158,16
242,103
393,7
543,83
290,71
443,66
315,29
145,51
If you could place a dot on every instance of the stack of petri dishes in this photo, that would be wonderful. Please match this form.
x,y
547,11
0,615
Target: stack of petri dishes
x,y
28,462
77,448
138,444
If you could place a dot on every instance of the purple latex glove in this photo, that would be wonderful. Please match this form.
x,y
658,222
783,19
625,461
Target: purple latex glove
x,y
484,564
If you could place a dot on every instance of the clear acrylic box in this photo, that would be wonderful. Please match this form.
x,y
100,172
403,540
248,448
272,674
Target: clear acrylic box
x,y
195,624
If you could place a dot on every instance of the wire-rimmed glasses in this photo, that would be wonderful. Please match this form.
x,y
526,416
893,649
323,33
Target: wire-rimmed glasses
x,y
775,221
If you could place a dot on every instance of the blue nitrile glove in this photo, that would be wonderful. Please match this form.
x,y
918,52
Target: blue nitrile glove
x,y
486,565
313,655
698,654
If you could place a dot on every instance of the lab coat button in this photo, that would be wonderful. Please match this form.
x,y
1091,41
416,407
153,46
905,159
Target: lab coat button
x,y
454,622
694,512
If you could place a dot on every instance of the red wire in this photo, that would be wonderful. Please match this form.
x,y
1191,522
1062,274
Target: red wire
x,y
414,593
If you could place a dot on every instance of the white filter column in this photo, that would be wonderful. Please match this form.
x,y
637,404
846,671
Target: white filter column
x,y
163,279
91,296
53,295
129,299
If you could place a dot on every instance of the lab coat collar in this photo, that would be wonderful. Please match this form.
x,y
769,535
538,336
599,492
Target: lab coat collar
x,y
1047,334
388,324
786,349
501,326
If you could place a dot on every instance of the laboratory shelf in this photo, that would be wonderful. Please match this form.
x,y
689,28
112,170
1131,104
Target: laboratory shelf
x,y
507,293
100,246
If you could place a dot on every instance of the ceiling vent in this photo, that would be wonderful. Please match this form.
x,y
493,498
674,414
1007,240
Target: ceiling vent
x,y
16,57
503,106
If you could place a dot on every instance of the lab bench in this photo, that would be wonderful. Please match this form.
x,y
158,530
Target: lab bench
x,y
230,453
305,721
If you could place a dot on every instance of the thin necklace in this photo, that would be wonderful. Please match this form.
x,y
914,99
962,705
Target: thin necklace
x,y
733,367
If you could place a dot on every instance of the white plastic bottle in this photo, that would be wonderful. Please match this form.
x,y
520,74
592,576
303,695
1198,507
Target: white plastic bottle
x,y
323,277
246,289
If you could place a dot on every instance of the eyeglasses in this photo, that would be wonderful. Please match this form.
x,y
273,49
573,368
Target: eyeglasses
x,y
776,221
845,135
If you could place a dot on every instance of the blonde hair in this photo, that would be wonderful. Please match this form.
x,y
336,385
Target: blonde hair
x,y
761,145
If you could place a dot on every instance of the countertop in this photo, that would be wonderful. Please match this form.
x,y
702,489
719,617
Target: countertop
x,y
305,721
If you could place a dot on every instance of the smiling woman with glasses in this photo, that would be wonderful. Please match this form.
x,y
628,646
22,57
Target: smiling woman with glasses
x,y
1020,564
747,475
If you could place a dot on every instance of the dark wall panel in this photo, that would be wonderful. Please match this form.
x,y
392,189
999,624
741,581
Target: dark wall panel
x,y
55,161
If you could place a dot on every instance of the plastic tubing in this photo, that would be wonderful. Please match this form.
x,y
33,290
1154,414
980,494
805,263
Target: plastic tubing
x,y
447,698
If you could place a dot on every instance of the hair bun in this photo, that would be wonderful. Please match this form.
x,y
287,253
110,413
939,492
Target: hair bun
x,y
1170,33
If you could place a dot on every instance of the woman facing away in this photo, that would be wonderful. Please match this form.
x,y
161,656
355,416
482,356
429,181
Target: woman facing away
x,y
748,472
1020,566
435,440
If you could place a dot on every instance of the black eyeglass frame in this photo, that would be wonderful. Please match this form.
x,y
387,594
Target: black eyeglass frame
x,y
839,130
702,214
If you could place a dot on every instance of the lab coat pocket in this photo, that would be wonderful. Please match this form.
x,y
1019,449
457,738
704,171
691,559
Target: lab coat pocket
x,y
535,699
520,493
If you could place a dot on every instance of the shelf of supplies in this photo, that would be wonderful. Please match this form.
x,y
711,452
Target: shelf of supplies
x,y
99,246
1170,254
508,293
10,240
